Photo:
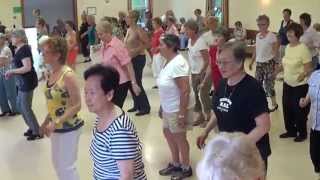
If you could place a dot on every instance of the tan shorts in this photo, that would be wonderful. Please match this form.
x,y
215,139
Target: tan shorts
x,y
170,121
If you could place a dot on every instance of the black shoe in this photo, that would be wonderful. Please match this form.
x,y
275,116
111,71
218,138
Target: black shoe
x,y
132,110
13,114
169,170
183,174
28,133
155,87
4,114
300,138
287,135
142,113
274,108
34,137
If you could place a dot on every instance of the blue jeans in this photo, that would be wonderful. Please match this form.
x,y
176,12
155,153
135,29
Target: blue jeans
x,y
24,102
183,41
8,94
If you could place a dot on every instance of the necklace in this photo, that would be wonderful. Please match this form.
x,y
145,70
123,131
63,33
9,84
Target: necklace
x,y
233,88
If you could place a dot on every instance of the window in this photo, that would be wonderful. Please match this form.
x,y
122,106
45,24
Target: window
x,y
219,9
141,6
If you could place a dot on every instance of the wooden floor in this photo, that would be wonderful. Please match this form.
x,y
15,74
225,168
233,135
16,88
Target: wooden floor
x,y
23,160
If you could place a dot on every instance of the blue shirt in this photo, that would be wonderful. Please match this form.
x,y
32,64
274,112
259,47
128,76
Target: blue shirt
x,y
314,93
118,142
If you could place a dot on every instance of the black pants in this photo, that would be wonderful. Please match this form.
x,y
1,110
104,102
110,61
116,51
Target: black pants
x,y
84,47
121,93
315,149
295,118
141,102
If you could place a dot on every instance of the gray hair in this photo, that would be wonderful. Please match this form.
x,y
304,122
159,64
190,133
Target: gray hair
x,y
231,156
20,33
238,49
192,24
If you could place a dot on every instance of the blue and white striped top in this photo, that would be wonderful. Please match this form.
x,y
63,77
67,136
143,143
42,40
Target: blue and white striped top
x,y
118,142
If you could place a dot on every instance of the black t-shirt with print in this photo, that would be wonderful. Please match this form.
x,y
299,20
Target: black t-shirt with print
x,y
236,108
27,81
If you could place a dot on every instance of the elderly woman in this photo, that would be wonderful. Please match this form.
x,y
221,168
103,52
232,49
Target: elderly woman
x,y
199,61
297,66
171,26
62,123
231,156
176,107
115,54
313,97
8,91
310,38
265,54
26,81
240,103
111,159
137,42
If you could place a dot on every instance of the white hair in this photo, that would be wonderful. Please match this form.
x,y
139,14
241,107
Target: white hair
x,y
231,156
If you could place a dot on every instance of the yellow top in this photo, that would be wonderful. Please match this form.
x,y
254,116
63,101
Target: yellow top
x,y
293,64
57,98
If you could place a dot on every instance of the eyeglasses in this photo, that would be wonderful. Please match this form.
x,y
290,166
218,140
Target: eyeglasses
x,y
223,63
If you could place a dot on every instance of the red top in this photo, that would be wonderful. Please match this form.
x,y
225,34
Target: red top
x,y
155,41
215,72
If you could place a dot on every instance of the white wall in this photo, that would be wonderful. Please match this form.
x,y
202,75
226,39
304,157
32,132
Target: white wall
x,y
103,9
6,13
185,8
248,10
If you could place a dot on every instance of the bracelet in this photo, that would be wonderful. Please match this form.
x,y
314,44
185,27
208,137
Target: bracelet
x,y
133,82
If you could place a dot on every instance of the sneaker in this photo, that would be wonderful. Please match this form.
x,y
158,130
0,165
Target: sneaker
x,y
183,174
169,170
34,137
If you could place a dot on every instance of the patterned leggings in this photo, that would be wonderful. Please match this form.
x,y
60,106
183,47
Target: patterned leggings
x,y
265,75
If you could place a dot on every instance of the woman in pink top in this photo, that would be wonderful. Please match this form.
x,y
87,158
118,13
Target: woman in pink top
x,y
157,60
115,54
171,26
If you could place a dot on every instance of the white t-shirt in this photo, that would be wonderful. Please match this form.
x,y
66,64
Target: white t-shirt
x,y
168,89
264,47
209,38
195,57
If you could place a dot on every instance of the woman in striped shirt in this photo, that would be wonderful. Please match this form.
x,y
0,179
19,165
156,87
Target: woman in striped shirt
x,y
115,147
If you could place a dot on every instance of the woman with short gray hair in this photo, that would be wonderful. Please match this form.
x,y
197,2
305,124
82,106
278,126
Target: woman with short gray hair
x,y
26,81
231,156
230,113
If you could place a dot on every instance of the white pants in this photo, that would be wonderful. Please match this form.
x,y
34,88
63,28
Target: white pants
x,y
64,150
157,64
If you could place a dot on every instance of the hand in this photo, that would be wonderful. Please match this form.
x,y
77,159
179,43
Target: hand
x,y
43,129
301,77
8,74
136,89
201,140
50,128
303,102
